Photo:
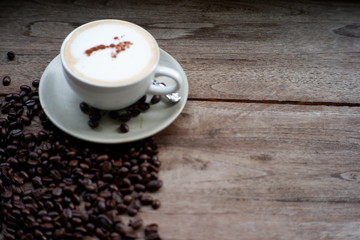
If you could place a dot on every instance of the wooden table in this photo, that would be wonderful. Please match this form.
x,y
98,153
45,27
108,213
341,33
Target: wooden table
x,y
268,146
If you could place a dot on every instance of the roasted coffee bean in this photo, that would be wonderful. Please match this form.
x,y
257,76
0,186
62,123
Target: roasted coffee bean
x,y
151,228
134,112
10,55
156,204
139,187
155,99
30,103
102,206
36,181
57,192
132,211
136,223
90,227
6,81
25,120
127,199
144,106
154,185
106,166
16,133
124,128
25,88
35,83
76,220
42,135
11,148
93,123
146,199
94,114
105,221
84,107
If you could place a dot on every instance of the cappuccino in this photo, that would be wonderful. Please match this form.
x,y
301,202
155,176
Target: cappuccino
x,y
110,52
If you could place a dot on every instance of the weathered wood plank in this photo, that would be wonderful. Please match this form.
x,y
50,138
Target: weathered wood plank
x,y
230,50
258,171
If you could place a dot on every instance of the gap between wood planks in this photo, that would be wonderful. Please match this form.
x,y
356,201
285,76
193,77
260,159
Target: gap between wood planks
x,y
335,104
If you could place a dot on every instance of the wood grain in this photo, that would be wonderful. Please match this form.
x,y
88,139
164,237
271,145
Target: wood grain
x,y
268,146
255,171
235,50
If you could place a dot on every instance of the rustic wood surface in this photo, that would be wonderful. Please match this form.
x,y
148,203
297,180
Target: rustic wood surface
x,y
268,145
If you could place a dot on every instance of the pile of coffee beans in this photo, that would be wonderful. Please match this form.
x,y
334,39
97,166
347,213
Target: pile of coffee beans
x,y
55,187
122,115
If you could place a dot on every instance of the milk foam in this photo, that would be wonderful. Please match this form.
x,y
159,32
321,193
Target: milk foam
x,y
101,67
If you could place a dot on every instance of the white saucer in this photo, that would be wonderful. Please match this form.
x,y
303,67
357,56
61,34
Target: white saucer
x,y
61,105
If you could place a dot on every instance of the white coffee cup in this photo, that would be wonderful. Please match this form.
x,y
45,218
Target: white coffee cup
x,y
110,64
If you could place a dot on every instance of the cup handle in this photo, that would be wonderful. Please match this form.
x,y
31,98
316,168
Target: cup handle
x,y
169,72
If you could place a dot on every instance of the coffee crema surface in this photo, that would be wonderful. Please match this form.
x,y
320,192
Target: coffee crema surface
x,y
110,52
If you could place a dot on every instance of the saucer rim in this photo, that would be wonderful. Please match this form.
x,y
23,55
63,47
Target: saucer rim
x,y
135,137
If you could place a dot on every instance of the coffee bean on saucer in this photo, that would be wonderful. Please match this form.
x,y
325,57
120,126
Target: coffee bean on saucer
x,y
6,81
11,55
155,99
124,128
93,123
84,107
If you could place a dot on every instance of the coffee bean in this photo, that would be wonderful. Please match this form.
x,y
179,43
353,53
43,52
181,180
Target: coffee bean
x,y
30,103
134,112
94,114
56,175
10,55
36,181
101,206
139,187
7,193
99,233
155,99
18,180
25,88
57,192
122,208
132,211
124,128
105,221
154,185
146,199
90,227
84,107
106,166
93,123
127,199
43,135
105,193
156,204
151,228
115,236
136,223
35,83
